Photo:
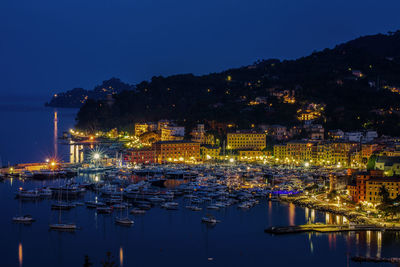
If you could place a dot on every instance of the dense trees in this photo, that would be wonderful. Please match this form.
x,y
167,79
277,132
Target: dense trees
x,y
353,100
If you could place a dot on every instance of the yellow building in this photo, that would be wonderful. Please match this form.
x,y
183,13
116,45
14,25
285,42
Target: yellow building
x,y
341,151
172,133
210,152
246,140
141,128
250,155
280,152
373,186
299,150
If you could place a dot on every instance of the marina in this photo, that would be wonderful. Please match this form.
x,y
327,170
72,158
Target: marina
x,y
215,215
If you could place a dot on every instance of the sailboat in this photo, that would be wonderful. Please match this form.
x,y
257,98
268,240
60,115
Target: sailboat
x,y
62,226
123,220
22,219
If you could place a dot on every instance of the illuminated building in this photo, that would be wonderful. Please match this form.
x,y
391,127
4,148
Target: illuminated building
x,y
389,165
246,140
310,112
250,155
367,150
280,151
373,186
358,190
210,152
278,132
337,183
140,156
340,152
141,128
198,134
316,152
299,150
177,151
336,134
172,133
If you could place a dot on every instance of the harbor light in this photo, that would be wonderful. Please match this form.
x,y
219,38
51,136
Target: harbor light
x,y
47,160
307,164
231,160
96,156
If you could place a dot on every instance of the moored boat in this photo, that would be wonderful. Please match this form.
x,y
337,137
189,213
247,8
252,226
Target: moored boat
x,y
23,219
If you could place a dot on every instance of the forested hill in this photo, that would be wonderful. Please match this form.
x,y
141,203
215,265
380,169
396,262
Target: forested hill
x,y
76,97
355,85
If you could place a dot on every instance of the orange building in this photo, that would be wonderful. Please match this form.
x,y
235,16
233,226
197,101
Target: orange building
x,y
358,191
177,151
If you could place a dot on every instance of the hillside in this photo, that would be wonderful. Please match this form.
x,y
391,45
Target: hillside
x,y
76,97
355,85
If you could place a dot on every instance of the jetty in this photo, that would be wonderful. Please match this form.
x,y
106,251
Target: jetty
x,y
326,228
372,259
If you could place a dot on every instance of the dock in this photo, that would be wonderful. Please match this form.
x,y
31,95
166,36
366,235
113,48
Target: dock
x,y
326,228
371,259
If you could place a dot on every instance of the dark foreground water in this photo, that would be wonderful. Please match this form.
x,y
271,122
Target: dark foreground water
x,y
160,237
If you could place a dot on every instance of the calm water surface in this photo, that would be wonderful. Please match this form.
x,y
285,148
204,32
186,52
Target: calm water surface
x,y
160,237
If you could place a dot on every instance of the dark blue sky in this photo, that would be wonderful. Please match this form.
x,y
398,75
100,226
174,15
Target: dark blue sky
x,y
48,46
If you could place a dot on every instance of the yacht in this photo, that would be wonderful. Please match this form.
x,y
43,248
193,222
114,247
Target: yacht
x,y
45,192
29,194
123,221
104,210
193,208
63,226
170,205
23,219
209,219
137,211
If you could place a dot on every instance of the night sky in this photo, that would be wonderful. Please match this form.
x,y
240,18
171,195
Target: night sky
x,y
48,46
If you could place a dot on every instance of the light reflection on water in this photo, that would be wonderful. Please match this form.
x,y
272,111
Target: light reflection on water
x,y
104,233
237,241
121,257
20,255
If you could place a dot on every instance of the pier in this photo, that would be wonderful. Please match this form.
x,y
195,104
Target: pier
x,y
326,228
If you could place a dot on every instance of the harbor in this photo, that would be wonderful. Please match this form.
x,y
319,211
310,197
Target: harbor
x,y
203,214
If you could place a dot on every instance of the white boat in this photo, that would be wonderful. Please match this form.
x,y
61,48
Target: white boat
x,y
209,219
28,193
91,204
170,205
213,207
23,219
45,192
63,226
123,221
156,199
120,206
193,208
137,211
